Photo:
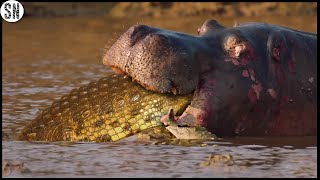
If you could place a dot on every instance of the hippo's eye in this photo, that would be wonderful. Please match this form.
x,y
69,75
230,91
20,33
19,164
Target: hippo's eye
x,y
210,25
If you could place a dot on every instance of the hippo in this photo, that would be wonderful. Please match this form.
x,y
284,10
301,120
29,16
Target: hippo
x,y
252,79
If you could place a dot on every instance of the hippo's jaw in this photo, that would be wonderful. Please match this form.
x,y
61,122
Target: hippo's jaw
x,y
160,60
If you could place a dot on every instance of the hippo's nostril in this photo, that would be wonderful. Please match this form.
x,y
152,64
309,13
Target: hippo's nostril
x,y
137,32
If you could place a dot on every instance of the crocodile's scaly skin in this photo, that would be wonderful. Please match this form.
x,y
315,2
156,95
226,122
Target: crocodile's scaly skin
x,y
106,110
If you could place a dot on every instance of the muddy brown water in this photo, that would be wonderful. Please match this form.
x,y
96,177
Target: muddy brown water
x,y
44,58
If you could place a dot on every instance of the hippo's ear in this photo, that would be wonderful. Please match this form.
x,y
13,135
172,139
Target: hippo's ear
x,y
236,23
209,26
277,47
277,54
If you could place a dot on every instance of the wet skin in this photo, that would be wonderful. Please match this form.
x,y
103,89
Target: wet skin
x,y
109,109
253,79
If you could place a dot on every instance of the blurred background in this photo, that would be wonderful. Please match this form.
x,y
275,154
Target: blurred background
x,y
169,9
59,45
81,30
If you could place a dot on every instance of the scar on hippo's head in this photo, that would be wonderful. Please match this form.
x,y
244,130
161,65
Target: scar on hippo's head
x,y
209,26
234,45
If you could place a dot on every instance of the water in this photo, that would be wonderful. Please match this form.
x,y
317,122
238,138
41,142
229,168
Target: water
x,y
44,58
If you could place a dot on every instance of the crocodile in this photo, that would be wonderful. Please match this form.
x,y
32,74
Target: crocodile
x,y
110,109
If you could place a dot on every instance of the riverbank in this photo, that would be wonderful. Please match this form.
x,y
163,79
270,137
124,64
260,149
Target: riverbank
x,y
171,9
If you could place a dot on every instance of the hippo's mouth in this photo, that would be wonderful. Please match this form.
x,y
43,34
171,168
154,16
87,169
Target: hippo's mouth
x,y
161,61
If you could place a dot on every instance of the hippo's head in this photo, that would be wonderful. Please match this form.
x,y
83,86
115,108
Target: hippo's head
x,y
230,69
168,61
160,60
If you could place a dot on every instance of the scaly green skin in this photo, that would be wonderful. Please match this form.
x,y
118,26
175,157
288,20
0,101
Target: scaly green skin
x,y
109,109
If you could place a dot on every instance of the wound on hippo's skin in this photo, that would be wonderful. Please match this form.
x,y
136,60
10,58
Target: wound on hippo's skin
x,y
234,46
257,89
239,50
252,74
272,93
254,92
245,73
252,96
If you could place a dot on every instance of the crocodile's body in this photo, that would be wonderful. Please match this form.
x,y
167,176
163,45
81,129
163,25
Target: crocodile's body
x,y
106,110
